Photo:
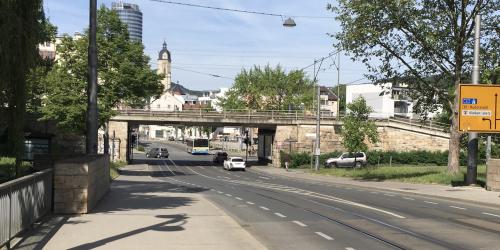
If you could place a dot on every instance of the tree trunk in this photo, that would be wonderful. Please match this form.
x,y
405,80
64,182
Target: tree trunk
x,y
454,143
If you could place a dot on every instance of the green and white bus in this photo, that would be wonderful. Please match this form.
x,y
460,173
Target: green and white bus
x,y
197,146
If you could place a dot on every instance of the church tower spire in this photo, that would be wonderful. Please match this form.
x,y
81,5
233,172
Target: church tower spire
x,y
164,66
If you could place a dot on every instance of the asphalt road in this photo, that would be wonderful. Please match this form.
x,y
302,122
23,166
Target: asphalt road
x,y
287,213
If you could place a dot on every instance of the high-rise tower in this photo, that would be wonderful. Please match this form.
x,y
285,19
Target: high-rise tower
x,y
131,15
164,62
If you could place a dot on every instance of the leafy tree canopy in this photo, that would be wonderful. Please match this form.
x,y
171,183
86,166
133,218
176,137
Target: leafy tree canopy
x,y
357,128
269,89
124,76
426,44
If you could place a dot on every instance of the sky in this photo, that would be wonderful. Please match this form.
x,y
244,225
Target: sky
x,y
223,43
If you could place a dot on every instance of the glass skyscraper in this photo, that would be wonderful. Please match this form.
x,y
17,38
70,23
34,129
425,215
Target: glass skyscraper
x,y
131,15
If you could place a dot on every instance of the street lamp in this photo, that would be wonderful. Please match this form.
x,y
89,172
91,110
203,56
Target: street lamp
x,y
289,22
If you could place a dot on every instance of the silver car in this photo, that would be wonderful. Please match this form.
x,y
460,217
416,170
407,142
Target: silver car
x,y
348,160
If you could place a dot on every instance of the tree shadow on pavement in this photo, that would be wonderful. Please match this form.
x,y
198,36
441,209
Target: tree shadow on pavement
x,y
164,226
131,195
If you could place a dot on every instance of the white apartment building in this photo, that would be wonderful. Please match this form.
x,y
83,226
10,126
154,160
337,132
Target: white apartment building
x,y
386,100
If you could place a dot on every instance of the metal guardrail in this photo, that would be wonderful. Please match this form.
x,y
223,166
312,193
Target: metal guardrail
x,y
278,115
22,202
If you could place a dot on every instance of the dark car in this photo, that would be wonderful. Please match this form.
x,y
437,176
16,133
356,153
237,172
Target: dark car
x,y
157,153
220,157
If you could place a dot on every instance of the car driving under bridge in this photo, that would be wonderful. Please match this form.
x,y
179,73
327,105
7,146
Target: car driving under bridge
x,y
286,130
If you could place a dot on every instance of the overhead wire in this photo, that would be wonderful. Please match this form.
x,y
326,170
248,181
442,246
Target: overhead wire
x,y
236,10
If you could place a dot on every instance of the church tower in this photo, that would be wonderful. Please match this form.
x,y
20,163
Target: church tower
x,y
164,61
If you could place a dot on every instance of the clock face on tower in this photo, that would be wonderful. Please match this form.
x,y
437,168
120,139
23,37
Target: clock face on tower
x,y
164,56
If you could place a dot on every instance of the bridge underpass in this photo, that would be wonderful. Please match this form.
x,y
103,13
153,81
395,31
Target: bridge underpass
x,y
283,130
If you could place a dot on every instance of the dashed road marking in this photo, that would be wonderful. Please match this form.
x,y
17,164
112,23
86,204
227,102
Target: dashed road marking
x,y
360,190
280,215
349,248
496,215
408,198
391,195
299,223
431,202
251,203
266,178
264,208
461,208
228,195
238,198
324,235
373,192
220,192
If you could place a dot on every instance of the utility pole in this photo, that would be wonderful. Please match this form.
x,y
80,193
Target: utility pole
x,y
92,113
338,84
472,145
318,116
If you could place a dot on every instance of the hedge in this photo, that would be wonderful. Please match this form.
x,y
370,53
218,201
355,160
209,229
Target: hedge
x,y
418,157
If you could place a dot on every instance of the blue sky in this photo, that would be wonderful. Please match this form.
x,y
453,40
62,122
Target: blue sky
x,y
221,42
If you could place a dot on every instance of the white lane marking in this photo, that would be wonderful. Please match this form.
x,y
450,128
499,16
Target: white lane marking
x,y
238,198
202,167
430,202
262,177
312,194
408,198
264,208
496,215
251,203
299,223
391,195
324,235
228,195
280,215
461,208
373,192
220,192
349,248
360,190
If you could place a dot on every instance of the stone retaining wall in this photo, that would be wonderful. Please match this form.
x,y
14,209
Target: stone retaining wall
x,y
493,175
79,183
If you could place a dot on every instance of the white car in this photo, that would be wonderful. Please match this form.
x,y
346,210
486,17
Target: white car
x,y
234,163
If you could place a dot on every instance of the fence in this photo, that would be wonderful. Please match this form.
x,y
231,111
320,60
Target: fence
x,y
22,202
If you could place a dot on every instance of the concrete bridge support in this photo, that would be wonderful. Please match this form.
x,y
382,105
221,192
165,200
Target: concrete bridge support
x,y
121,132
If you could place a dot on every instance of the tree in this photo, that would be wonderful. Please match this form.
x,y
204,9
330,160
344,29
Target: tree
x,y
22,27
357,127
426,44
269,89
125,78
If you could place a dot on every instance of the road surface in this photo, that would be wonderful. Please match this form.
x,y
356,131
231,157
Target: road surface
x,y
287,213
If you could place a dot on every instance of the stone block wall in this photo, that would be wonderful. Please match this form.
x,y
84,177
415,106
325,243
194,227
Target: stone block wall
x,y
79,183
120,130
493,175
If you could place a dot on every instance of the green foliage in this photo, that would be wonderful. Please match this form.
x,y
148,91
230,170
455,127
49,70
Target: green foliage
x,y
295,159
269,89
114,167
425,44
124,75
22,28
8,169
407,173
357,128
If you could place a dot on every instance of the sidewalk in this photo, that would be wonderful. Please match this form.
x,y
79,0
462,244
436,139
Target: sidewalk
x,y
141,212
470,194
